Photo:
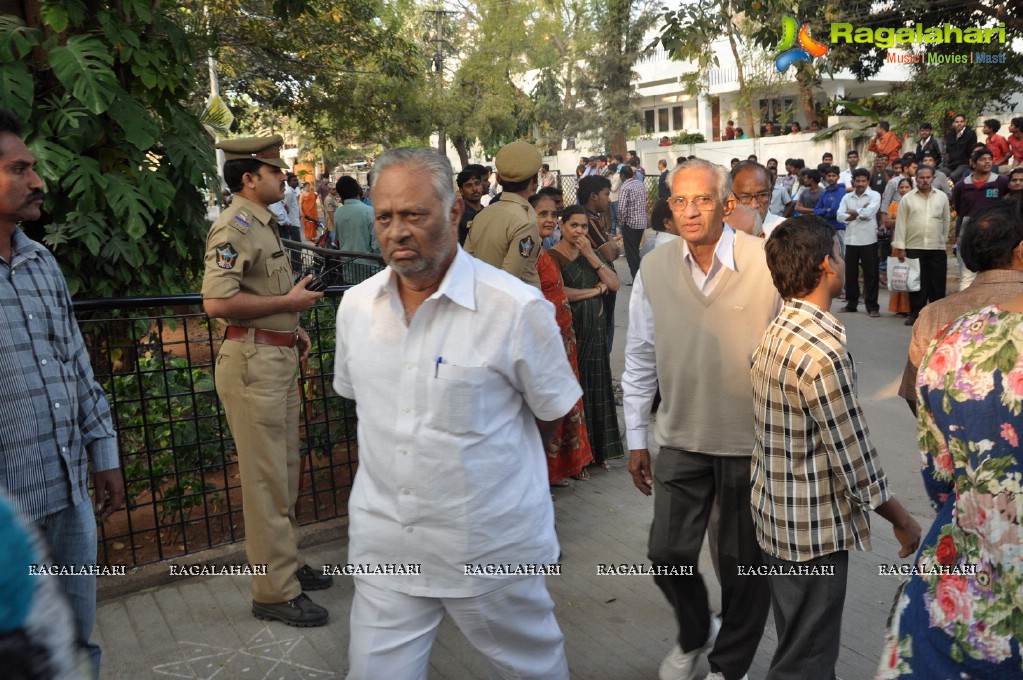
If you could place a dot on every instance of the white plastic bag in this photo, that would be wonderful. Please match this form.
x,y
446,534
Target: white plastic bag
x,y
903,277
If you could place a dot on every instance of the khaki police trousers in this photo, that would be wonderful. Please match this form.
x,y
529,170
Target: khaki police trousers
x,y
258,385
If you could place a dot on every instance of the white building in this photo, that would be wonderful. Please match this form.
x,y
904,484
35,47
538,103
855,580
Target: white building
x,y
667,110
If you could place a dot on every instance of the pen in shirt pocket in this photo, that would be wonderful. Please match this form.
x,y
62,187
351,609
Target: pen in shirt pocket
x,y
436,367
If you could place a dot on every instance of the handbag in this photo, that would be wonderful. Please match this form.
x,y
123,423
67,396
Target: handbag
x,y
903,277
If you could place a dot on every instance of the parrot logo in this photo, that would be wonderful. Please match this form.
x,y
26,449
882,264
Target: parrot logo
x,y
808,49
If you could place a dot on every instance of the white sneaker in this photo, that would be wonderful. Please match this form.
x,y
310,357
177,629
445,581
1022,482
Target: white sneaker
x,y
679,665
721,676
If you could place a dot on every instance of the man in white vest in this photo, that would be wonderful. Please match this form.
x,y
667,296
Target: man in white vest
x,y
698,308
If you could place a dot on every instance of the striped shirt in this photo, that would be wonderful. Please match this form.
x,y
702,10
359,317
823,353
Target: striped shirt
x,y
632,204
815,474
54,411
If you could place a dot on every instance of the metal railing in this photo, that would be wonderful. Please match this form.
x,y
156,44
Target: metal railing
x,y
155,358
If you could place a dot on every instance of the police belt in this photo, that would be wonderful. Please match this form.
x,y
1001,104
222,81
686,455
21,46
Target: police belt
x,y
262,337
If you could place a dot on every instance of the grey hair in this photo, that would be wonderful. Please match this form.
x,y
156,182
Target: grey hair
x,y
724,179
437,168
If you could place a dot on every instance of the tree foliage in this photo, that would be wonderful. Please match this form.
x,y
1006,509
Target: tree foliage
x,y
106,94
936,93
541,70
481,100
929,92
610,99
344,71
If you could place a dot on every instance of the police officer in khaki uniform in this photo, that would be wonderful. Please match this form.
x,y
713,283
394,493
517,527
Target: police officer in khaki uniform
x,y
248,282
505,234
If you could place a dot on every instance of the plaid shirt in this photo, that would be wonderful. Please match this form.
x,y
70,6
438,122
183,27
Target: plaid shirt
x,y
816,475
632,204
54,412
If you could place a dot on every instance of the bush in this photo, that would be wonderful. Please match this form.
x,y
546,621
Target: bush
x,y
689,138
169,421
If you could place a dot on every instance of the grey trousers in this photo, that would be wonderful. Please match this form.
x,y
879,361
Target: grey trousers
x,y
808,618
686,485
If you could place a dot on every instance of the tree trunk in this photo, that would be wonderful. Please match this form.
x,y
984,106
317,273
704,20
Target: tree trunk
x,y
752,128
618,142
804,78
463,152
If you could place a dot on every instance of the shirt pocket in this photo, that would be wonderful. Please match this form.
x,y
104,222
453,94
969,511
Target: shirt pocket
x,y
278,275
456,396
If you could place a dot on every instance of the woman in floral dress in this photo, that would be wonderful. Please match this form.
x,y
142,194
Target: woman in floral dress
x,y
962,616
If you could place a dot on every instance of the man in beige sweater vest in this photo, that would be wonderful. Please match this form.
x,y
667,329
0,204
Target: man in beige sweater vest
x,y
698,308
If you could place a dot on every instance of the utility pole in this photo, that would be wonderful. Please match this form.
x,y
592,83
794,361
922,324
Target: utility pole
x,y
440,46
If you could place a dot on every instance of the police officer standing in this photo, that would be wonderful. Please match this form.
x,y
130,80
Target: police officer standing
x,y
248,283
505,234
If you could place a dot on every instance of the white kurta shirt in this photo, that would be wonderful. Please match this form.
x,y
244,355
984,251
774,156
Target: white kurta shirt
x,y
452,471
861,231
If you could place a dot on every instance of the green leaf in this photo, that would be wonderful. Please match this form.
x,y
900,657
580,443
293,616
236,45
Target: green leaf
x,y
16,39
158,188
76,10
55,16
130,206
64,116
192,159
1005,358
117,248
17,88
139,127
52,158
858,109
142,9
84,182
87,228
83,67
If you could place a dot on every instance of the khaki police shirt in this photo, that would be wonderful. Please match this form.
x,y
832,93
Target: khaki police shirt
x,y
244,253
505,235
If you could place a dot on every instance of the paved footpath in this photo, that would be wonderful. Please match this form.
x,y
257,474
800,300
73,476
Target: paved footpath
x,y
616,627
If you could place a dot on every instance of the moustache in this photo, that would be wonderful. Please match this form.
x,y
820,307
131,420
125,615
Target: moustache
x,y
36,195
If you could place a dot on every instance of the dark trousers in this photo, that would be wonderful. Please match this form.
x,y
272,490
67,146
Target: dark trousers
x,y
955,172
685,487
855,257
884,251
933,273
808,618
631,238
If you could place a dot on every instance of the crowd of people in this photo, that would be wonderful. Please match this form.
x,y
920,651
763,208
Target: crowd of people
x,y
824,235
481,377
946,181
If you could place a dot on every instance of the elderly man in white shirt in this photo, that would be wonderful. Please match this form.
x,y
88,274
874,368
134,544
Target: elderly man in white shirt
x,y
858,210
458,372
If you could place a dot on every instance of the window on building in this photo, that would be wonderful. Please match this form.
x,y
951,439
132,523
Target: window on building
x,y
662,120
676,118
648,116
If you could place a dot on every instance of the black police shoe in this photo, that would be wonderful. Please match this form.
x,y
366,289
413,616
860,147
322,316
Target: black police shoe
x,y
311,580
301,612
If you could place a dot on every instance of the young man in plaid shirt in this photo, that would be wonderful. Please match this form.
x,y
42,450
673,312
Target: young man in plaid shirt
x,y
816,476
631,216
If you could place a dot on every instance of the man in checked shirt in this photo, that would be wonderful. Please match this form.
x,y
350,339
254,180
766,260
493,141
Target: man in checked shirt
x,y
815,473
56,417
